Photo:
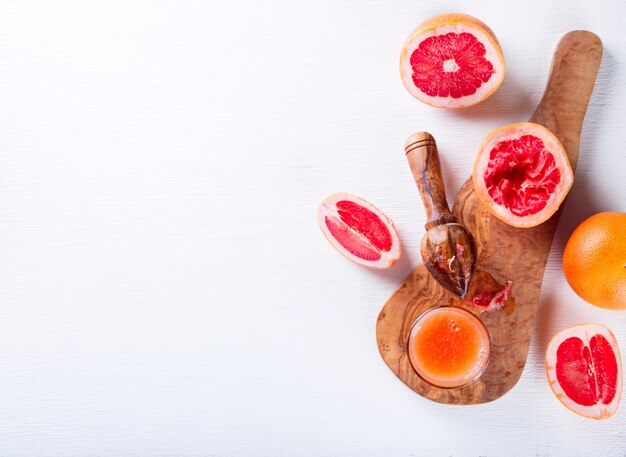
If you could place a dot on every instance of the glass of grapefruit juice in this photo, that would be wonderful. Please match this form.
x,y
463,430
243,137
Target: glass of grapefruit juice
x,y
448,347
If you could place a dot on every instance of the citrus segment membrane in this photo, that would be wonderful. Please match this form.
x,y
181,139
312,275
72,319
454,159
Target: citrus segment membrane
x,y
359,231
450,65
521,175
605,368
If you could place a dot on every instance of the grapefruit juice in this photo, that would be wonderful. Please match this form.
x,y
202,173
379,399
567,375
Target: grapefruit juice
x,y
448,347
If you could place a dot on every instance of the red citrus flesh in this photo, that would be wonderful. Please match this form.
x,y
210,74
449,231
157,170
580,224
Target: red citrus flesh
x,y
452,61
359,231
584,370
488,301
587,373
522,174
450,65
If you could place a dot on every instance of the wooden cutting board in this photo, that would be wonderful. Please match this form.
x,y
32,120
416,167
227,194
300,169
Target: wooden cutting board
x,y
505,252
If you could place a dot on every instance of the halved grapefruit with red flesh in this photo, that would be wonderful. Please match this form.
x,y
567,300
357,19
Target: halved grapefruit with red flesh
x,y
452,61
522,174
359,231
584,370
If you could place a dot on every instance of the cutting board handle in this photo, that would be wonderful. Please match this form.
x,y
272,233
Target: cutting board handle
x,y
573,71
421,152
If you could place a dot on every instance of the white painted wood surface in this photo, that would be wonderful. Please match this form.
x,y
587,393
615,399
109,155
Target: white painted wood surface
x,y
164,288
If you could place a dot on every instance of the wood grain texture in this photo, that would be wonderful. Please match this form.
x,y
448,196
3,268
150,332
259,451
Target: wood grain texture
x,y
506,252
447,248
423,157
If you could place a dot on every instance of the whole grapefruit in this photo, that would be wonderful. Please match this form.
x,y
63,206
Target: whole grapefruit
x,y
594,260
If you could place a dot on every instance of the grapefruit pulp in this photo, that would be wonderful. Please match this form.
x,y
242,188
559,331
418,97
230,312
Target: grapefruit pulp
x,y
359,230
522,174
452,61
584,370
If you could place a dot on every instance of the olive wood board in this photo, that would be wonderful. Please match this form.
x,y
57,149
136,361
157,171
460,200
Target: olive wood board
x,y
505,252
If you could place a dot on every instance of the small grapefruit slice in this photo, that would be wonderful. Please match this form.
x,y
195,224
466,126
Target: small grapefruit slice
x,y
452,61
359,230
585,370
522,174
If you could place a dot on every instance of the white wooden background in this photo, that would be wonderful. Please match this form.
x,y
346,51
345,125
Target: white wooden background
x,y
164,288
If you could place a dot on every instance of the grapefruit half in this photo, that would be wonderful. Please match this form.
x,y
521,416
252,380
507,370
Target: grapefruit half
x,y
522,174
452,61
584,370
359,230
